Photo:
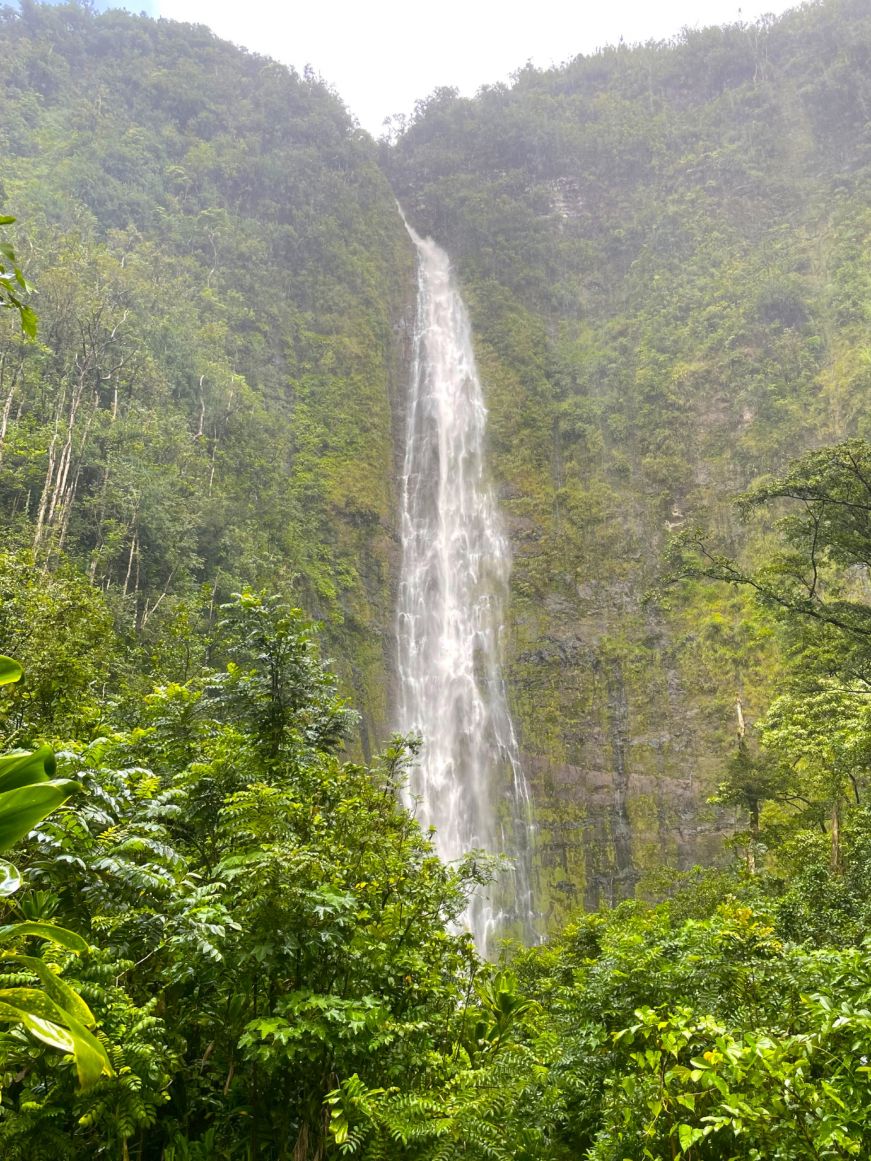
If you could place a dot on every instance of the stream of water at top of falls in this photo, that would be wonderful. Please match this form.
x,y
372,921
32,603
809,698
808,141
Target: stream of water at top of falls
x,y
468,784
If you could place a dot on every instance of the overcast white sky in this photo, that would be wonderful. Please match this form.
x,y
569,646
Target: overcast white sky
x,y
383,55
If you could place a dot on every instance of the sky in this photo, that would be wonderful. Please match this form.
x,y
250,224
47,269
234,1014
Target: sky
x,y
381,56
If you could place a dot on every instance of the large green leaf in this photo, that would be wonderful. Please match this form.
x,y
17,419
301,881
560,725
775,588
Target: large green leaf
x,y
10,879
57,989
48,1032
25,767
57,1028
21,809
31,1001
59,935
9,670
92,1061
29,321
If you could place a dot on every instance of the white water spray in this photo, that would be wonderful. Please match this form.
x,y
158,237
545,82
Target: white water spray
x,y
453,586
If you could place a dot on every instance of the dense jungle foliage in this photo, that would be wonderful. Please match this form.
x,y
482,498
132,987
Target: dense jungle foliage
x,y
665,253
267,940
220,270
226,938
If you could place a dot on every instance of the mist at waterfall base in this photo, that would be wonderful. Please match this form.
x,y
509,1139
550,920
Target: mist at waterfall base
x,y
468,783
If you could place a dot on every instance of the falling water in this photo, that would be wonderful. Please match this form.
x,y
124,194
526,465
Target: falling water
x,y
455,563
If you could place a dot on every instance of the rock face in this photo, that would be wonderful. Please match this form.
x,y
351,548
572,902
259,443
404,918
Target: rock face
x,y
659,251
664,253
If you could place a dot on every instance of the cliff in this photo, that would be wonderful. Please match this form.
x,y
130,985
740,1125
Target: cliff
x,y
664,250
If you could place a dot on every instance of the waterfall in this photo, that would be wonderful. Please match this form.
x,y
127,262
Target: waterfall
x,y
469,784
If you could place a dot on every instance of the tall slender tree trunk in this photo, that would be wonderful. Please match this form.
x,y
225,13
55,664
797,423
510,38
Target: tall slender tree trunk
x,y
754,837
837,861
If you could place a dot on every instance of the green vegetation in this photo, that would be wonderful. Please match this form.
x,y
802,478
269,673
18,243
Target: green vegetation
x,y
264,938
221,273
731,1020
264,917
664,249
52,1013
665,253
222,936
13,285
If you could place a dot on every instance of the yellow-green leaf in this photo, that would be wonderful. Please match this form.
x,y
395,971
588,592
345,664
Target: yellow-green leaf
x,y
50,1033
92,1061
21,809
10,879
59,935
58,989
9,670
15,1003
26,767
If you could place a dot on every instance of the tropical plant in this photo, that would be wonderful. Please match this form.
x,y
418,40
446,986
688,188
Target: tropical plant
x,y
13,284
53,1012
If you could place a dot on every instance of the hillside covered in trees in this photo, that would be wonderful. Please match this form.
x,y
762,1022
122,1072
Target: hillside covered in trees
x,y
221,277
229,939
665,251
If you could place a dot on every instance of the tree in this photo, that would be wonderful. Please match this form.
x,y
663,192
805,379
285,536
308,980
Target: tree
x,y
816,736
751,781
284,912
53,1012
815,579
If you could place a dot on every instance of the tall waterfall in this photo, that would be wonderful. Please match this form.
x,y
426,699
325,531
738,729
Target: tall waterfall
x,y
453,585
